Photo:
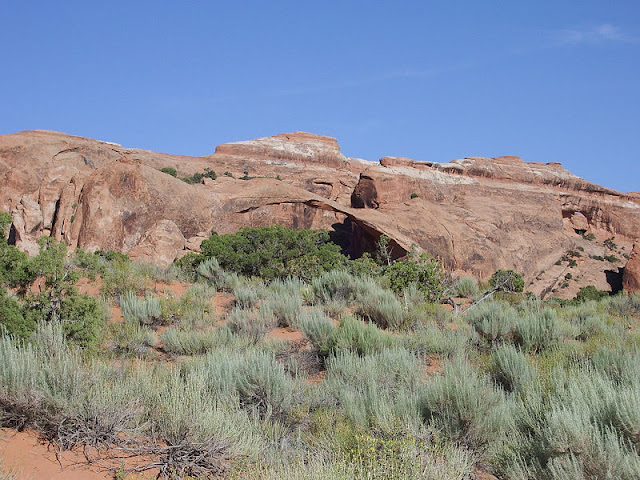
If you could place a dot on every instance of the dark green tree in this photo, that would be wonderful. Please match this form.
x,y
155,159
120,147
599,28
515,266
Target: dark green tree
x,y
507,281
275,252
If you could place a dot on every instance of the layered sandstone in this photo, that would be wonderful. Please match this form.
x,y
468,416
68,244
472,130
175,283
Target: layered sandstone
x,y
476,214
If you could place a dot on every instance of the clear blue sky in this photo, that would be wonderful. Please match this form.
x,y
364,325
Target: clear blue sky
x,y
550,81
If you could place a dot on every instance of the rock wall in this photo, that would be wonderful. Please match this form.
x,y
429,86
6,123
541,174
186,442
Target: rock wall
x,y
477,214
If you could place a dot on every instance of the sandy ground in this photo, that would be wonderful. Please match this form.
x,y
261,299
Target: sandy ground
x,y
27,458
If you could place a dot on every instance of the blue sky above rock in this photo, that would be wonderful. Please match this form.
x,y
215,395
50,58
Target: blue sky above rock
x,y
547,81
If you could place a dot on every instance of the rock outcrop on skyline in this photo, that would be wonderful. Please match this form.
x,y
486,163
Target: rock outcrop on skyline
x,y
477,214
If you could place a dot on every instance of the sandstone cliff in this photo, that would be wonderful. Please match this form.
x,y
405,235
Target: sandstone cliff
x,y
476,214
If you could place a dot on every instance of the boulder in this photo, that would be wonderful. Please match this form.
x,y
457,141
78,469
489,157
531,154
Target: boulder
x,y
161,245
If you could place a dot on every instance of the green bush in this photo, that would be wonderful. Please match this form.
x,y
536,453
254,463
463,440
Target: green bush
x,y
507,281
590,292
425,272
12,319
274,252
169,170
83,320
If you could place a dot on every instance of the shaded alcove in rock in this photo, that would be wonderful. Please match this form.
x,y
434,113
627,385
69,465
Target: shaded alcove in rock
x,y
356,239
614,279
12,235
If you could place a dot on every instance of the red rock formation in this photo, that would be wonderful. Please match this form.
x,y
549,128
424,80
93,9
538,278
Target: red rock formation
x,y
631,277
477,214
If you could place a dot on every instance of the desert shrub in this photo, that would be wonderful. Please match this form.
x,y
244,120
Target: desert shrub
x,y
91,263
536,331
494,321
286,309
426,272
121,275
624,304
573,429
511,368
364,266
275,252
253,323
145,311
611,258
610,244
384,309
83,320
246,296
337,285
466,406
466,287
619,364
507,281
12,320
412,297
430,339
590,292
213,272
133,338
377,390
191,310
254,378
170,171
284,298
318,328
189,342
359,337
202,436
